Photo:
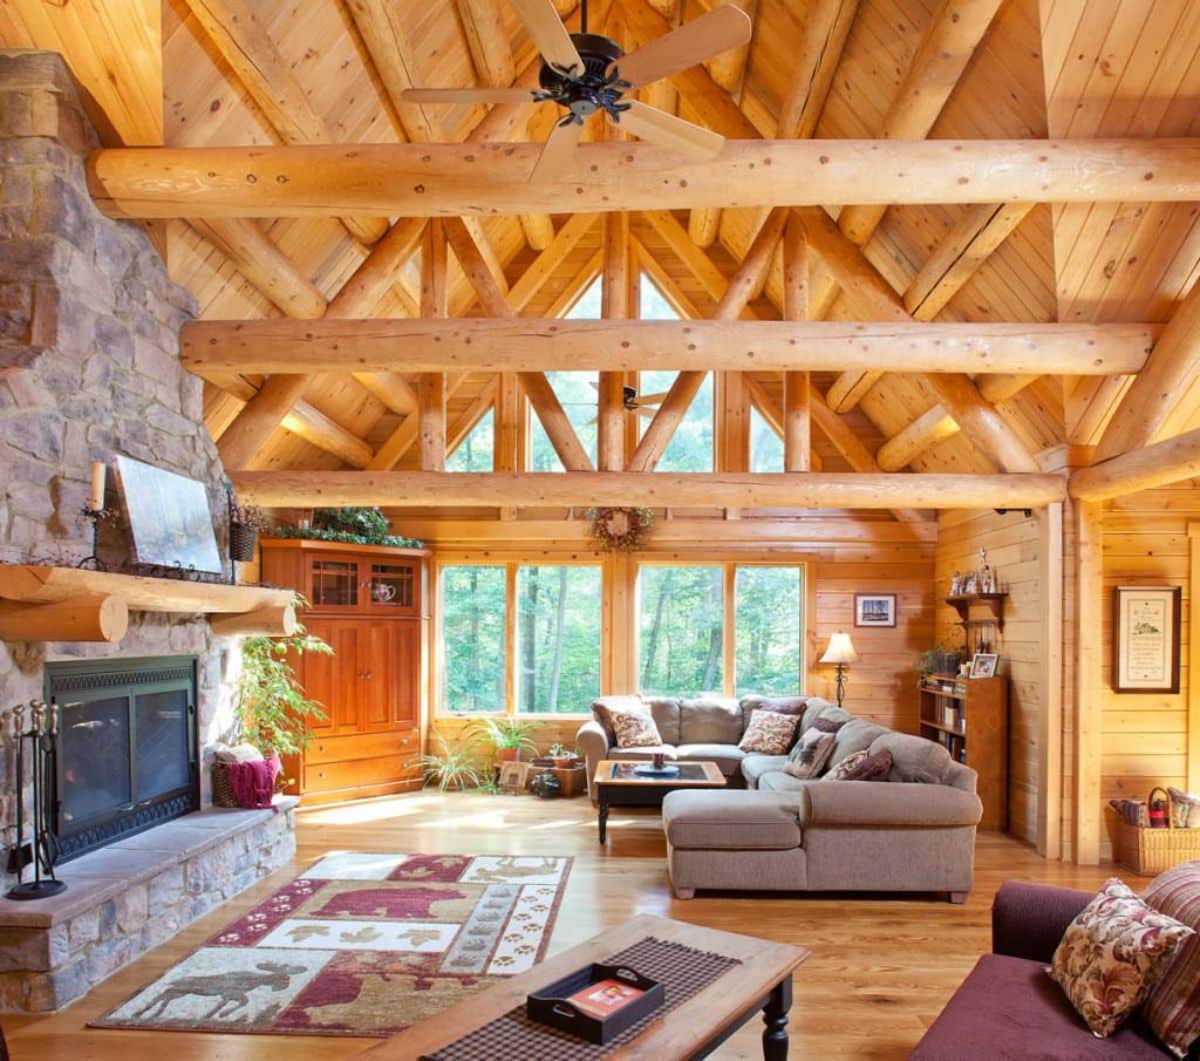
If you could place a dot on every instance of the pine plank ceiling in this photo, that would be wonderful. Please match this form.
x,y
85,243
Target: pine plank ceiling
x,y
1058,68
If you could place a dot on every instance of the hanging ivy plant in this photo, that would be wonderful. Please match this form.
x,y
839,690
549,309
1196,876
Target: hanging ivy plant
x,y
620,529
356,526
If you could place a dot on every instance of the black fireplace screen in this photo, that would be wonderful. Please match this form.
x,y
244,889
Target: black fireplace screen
x,y
126,753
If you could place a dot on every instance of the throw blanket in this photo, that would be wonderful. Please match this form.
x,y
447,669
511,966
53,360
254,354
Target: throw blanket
x,y
253,783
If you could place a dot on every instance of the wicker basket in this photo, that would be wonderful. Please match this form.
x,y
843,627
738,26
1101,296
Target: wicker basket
x,y
222,790
1149,852
243,540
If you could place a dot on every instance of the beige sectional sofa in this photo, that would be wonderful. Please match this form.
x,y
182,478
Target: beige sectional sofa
x,y
914,833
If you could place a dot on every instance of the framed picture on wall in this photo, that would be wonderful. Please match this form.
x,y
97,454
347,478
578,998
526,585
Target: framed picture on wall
x,y
1146,639
875,609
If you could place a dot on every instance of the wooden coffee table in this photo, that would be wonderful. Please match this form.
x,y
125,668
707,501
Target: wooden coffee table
x,y
761,983
618,786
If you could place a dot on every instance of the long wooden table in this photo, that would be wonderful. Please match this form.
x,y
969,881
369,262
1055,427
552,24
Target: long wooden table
x,y
763,982
616,787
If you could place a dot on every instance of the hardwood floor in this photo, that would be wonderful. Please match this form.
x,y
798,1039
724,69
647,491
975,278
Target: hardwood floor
x,y
880,971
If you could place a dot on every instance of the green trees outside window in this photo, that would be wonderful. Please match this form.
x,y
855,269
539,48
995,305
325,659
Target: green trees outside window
x,y
558,650
681,629
473,649
767,610
475,452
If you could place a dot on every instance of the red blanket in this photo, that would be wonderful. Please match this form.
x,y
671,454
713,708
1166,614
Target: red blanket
x,y
253,784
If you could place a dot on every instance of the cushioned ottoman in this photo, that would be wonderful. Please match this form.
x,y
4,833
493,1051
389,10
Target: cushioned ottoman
x,y
751,842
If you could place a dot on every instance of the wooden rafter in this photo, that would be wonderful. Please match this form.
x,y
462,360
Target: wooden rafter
x,y
714,490
262,414
797,402
826,27
610,405
432,180
1160,464
708,274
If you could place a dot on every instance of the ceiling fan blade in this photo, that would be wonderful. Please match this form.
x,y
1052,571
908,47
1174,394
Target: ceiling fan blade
x,y
721,29
546,30
468,95
689,140
556,156
649,399
649,413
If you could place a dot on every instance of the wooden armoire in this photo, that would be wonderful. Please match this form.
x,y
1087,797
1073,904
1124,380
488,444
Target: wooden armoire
x,y
368,602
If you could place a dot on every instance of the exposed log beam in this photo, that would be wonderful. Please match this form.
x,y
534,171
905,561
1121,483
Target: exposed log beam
x,y
797,411
434,289
945,49
245,45
391,389
263,413
610,404
1154,404
539,271
431,436
772,412
925,431
475,264
1001,386
483,345
538,229
458,431
317,429
491,50
252,253
1170,461
960,254
378,271
724,490
432,180
983,425
702,267
405,434
826,27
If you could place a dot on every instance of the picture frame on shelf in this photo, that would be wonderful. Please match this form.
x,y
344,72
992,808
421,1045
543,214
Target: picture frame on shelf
x,y
875,609
1145,643
984,664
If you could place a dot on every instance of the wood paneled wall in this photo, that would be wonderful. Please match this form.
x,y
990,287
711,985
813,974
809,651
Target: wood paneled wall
x,y
1145,737
1014,551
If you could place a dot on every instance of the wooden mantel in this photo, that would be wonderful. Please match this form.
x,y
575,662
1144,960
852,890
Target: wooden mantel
x,y
41,603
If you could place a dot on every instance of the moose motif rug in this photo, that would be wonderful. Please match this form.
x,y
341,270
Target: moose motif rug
x,y
360,944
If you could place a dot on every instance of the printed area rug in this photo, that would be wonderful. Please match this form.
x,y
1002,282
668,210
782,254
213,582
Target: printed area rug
x,y
360,944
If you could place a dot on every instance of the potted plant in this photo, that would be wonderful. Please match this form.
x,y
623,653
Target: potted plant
x,y
453,768
563,757
356,526
507,735
245,521
941,659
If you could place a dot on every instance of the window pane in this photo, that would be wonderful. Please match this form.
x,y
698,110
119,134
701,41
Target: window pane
x,y
558,654
474,453
766,447
691,447
767,612
577,392
473,640
588,306
680,620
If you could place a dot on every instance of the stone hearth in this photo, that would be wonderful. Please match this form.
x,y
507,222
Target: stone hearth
x,y
89,368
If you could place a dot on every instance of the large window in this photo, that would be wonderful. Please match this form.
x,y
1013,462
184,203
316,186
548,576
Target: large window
x,y
475,452
681,629
473,650
558,656
686,631
766,447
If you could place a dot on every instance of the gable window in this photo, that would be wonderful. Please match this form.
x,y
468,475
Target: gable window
x,y
576,392
766,447
475,452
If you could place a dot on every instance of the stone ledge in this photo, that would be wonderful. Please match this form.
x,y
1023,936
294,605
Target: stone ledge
x,y
96,877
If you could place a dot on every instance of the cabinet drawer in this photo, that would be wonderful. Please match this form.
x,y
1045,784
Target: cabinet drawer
x,y
359,772
362,746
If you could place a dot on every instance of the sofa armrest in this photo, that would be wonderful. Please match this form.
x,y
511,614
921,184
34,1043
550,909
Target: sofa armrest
x,y
859,803
1028,920
592,742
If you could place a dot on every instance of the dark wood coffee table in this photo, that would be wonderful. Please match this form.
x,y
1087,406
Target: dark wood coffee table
x,y
761,983
618,786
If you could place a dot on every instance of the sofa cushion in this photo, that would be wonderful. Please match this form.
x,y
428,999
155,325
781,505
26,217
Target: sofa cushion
x,y
855,736
665,712
815,707
1009,1008
730,821
853,804
783,705
728,757
635,729
755,765
913,758
1112,954
778,781
603,708
861,766
810,755
769,733
710,720
1173,1008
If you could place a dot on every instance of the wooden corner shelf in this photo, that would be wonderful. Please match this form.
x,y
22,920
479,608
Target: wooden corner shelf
x,y
43,603
994,602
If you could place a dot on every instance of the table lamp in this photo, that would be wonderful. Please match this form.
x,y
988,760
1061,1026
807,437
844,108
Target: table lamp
x,y
841,652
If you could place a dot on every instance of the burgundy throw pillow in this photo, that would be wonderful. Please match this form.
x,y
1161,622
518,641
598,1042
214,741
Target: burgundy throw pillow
x,y
861,766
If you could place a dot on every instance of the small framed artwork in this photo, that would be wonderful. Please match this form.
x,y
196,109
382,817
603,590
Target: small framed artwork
x,y
513,776
169,517
983,664
875,609
1146,639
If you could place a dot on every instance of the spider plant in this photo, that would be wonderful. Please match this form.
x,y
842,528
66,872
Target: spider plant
x,y
507,735
454,768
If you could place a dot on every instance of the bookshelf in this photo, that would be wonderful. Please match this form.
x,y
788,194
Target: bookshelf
x,y
969,718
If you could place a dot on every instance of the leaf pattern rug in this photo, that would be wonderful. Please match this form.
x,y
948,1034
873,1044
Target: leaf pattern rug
x,y
360,944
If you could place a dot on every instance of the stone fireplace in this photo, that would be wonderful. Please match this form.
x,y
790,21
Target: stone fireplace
x,y
89,369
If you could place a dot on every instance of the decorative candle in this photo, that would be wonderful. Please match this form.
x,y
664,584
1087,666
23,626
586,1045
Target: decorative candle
x,y
53,718
96,500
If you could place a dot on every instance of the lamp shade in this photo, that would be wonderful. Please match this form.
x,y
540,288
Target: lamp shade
x,y
840,649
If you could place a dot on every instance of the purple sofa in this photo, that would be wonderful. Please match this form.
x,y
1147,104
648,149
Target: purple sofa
x,y
1009,1008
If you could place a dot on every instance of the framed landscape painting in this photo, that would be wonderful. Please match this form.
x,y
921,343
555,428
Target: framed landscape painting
x,y
169,518
875,609
1146,639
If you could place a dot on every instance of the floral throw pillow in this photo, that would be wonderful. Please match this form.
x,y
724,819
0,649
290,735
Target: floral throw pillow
x,y
810,755
635,729
1173,1006
769,733
861,766
1112,955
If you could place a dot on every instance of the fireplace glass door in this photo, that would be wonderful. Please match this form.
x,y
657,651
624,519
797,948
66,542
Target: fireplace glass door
x,y
125,759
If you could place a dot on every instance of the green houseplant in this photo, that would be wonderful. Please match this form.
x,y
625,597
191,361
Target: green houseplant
x,y
356,526
563,756
453,768
507,735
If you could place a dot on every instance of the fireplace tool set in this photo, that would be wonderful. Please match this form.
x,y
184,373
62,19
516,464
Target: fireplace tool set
x,y
42,736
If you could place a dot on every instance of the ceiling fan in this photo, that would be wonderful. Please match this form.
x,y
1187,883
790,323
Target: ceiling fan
x,y
587,73
642,404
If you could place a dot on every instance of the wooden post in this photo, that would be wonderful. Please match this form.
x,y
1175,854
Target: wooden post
x,y
431,439
1089,603
1193,683
797,414
1050,735
610,425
